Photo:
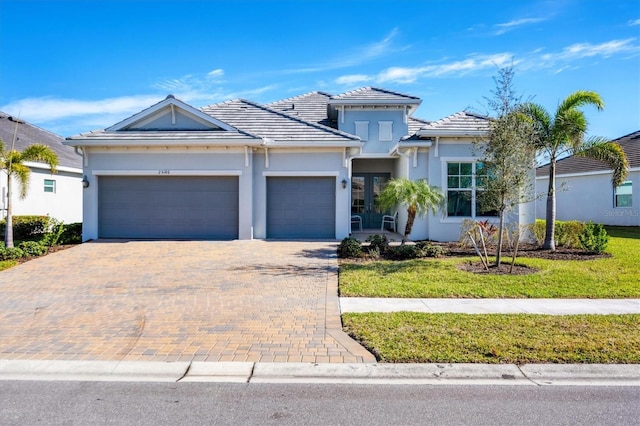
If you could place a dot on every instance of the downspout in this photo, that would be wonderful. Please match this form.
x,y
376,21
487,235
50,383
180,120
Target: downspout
x,y
406,155
435,151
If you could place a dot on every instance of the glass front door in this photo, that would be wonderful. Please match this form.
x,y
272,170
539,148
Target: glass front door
x,y
365,197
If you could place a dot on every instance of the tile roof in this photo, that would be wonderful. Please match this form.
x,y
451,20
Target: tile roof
x,y
28,134
630,144
310,107
262,121
416,124
162,135
460,123
375,93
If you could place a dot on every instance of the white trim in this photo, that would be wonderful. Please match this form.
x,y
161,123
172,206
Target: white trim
x,y
600,172
383,128
169,101
167,172
42,166
302,174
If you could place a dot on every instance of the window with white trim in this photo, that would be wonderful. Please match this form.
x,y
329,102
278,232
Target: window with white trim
x,y
362,130
385,131
623,194
465,190
50,186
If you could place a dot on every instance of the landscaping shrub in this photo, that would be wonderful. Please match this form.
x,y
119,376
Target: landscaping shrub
x,y
33,248
594,238
10,253
349,247
378,243
566,232
54,232
426,249
402,252
26,226
72,233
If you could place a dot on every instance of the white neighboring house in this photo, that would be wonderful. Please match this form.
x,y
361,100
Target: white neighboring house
x,y
584,191
57,195
302,167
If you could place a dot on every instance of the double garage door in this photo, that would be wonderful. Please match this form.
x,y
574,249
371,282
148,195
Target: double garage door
x,y
205,207
193,207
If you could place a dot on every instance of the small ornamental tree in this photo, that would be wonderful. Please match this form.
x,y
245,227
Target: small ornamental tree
x,y
508,156
417,196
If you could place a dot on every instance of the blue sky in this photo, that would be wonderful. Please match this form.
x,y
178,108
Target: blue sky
x,y
74,66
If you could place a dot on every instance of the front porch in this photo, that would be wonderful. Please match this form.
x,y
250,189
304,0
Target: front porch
x,y
393,237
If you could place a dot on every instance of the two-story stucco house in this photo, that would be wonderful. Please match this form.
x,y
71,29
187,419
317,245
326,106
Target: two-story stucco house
x,y
296,168
57,195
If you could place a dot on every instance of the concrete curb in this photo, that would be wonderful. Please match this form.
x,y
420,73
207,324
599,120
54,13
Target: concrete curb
x,y
116,371
264,372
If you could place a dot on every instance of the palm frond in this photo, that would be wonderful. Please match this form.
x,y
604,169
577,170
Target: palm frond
x,y
22,173
578,99
610,153
42,153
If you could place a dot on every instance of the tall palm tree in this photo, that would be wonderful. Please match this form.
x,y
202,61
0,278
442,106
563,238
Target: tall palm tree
x,y
417,196
12,163
564,134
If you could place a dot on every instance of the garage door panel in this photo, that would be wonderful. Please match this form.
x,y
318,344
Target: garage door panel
x,y
301,207
168,207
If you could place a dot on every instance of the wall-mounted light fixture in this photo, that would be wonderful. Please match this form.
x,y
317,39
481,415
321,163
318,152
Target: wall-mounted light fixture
x,y
85,181
344,183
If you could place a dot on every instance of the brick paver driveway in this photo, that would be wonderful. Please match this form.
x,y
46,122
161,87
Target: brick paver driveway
x,y
177,301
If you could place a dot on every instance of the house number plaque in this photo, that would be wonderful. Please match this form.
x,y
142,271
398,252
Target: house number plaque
x,y
164,172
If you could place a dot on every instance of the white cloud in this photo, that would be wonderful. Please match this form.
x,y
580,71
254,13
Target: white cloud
x,y
634,22
511,25
216,74
356,57
403,75
587,50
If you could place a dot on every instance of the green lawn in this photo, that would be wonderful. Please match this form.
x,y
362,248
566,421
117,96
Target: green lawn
x,y
615,277
419,337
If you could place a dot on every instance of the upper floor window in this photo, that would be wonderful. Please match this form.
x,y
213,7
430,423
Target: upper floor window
x,y
50,185
386,131
362,130
623,194
465,190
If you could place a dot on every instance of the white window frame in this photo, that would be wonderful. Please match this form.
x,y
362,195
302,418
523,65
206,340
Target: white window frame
x,y
50,184
444,161
362,130
626,183
385,131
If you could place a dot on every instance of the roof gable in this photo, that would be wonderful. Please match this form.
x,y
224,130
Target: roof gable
x,y
374,94
170,114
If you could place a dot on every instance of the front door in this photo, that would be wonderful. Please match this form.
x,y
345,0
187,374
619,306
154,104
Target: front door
x,y
365,197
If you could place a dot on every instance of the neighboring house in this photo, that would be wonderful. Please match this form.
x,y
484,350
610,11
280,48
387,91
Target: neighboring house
x,y
296,168
58,195
584,191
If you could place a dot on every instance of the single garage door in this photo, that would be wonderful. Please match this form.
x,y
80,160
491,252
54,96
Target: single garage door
x,y
301,207
193,207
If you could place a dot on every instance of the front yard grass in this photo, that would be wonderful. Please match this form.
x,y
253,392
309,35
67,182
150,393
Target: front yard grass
x,y
617,276
408,337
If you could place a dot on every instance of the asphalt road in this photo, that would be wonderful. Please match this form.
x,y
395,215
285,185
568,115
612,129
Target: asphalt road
x,y
88,403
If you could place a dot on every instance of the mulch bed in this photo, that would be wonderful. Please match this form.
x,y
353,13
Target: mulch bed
x,y
528,250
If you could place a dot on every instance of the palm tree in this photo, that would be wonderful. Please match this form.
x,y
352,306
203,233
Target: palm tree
x,y
12,163
417,196
563,134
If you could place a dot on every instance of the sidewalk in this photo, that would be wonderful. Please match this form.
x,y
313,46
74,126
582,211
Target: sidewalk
x,y
492,306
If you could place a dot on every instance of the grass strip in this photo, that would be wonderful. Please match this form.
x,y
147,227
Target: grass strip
x,y
411,337
617,276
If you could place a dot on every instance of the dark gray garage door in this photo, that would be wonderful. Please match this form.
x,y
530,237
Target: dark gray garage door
x,y
199,207
301,207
